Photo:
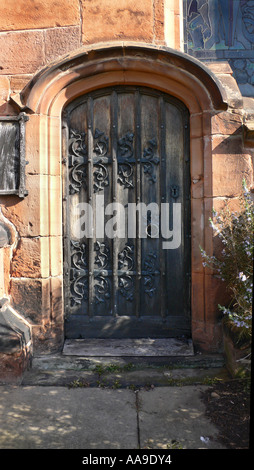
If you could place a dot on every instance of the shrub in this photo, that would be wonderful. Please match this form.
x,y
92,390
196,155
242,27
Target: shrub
x,y
234,266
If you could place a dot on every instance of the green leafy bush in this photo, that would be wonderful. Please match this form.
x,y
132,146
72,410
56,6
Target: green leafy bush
x,y
234,266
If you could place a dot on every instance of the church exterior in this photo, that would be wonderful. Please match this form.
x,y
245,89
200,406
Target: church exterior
x,y
118,103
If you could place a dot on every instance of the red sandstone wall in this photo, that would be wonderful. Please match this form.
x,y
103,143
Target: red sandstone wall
x,y
33,33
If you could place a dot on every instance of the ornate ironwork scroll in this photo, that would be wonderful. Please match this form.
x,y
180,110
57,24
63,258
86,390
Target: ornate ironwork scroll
x,y
126,263
150,262
125,160
102,289
125,175
125,258
149,160
101,143
102,256
101,146
77,160
78,273
125,146
102,285
101,179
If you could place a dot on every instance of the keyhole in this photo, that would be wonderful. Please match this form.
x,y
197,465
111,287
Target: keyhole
x,y
174,191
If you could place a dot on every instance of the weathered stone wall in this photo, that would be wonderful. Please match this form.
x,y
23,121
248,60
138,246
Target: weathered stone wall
x,y
32,35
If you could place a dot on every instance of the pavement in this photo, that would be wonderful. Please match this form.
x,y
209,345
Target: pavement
x,y
39,417
110,404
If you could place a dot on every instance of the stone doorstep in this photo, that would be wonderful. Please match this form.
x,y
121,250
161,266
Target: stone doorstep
x,y
126,371
143,347
114,377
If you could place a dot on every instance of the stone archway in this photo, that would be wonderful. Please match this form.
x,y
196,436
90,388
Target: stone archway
x,y
44,98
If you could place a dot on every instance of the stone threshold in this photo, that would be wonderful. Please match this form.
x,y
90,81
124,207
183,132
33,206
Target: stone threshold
x,y
142,347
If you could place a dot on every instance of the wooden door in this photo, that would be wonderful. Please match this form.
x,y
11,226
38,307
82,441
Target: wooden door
x,y
124,146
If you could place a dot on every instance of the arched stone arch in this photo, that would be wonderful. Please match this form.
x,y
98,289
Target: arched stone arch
x,y
99,66
118,63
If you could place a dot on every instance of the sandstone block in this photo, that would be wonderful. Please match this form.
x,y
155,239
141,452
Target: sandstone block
x,y
4,88
31,258
229,144
6,109
33,14
55,206
37,145
197,235
229,172
215,293
117,19
31,298
18,82
208,189
159,20
197,164
60,41
29,215
227,123
55,147
207,338
234,96
177,25
48,339
2,283
196,126
219,67
221,203
21,52
197,289
56,258
57,300
5,260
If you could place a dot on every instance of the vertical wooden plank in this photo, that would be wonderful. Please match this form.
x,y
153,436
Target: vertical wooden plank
x,y
138,200
150,194
102,187
114,132
77,194
90,201
174,178
126,194
163,191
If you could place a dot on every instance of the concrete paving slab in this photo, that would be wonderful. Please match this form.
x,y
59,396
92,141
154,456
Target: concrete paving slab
x,y
174,417
128,347
61,418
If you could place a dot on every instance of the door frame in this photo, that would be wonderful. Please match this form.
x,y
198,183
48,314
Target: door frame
x,y
97,66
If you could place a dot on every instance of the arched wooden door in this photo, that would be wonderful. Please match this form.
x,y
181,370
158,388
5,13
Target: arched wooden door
x,y
126,162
